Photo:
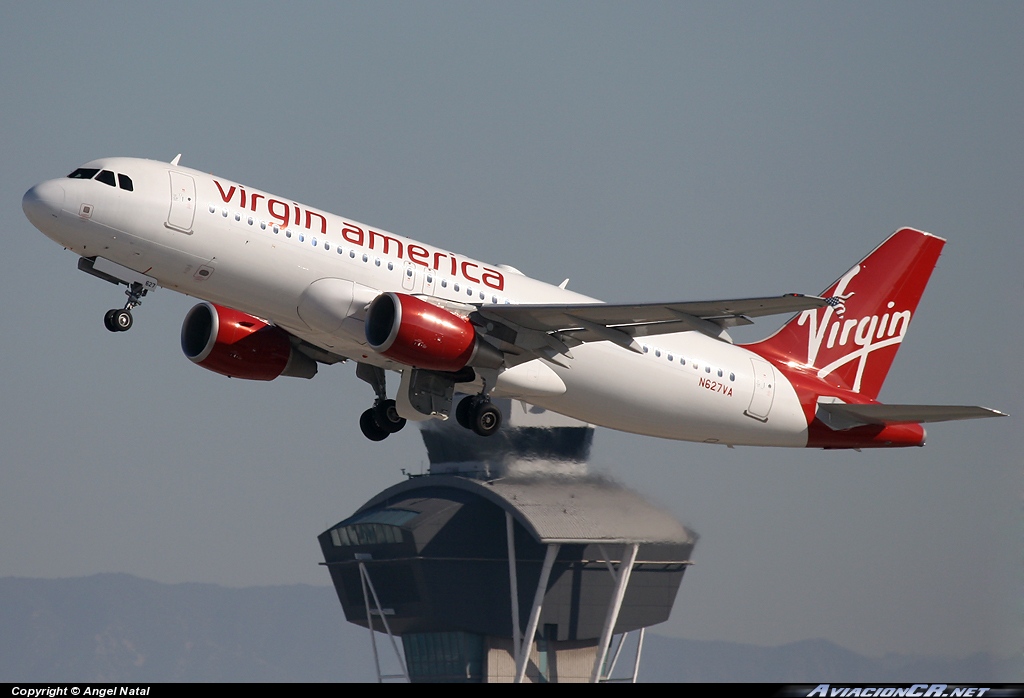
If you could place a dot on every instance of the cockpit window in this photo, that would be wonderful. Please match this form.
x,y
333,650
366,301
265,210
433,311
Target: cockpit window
x,y
125,181
107,177
83,173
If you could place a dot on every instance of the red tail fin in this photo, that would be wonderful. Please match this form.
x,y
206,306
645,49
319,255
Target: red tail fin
x,y
851,343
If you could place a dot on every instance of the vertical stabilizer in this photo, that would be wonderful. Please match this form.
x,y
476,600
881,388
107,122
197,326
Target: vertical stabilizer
x,y
851,343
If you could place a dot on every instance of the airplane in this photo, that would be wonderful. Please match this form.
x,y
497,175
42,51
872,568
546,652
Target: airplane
x,y
286,287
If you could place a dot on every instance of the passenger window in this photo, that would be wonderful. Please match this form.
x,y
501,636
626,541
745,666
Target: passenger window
x,y
107,177
126,182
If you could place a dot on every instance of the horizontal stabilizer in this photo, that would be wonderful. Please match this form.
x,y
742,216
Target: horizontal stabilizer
x,y
839,415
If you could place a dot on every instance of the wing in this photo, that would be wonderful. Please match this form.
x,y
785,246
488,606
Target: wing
x,y
845,416
621,323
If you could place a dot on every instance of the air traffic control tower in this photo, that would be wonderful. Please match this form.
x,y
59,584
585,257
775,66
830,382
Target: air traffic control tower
x,y
508,561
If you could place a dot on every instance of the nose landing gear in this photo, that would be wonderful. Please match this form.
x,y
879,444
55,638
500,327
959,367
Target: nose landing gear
x,y
121,320
118,320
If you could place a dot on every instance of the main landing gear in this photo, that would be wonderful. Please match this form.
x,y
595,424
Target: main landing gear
x,y
120,320
478,414
381,420
430,393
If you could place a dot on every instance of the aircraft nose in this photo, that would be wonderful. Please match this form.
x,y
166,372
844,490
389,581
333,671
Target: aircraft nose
x,y
43,202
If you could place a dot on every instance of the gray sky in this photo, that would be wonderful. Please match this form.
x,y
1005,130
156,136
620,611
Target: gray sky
x,y
647,152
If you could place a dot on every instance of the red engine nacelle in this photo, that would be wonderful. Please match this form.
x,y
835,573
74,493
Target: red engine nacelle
x,y
417,333
238,345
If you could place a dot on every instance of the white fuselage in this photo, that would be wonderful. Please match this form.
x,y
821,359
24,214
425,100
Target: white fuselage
x,y
246,249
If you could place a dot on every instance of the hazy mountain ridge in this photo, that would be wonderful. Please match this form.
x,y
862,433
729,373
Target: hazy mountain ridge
x,y
116,627
119,628
810,661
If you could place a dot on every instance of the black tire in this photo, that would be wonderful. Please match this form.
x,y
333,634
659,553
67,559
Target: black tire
x,y
370,428
122,320
464,412
486,419
387,417
108,320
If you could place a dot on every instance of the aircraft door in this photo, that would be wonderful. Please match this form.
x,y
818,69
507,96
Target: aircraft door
x,y
183,202
764,390
428,281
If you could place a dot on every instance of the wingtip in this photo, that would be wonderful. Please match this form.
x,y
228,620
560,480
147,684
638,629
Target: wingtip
x,y
911,229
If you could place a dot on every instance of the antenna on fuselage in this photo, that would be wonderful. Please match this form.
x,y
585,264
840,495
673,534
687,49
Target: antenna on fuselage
x,y
564,284
176,158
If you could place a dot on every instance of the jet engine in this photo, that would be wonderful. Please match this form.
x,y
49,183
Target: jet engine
x,y
238,345
422,335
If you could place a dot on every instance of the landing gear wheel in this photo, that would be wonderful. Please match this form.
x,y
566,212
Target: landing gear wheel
x,y
486,419
370,428
464,413
118,320
387,417
122,320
